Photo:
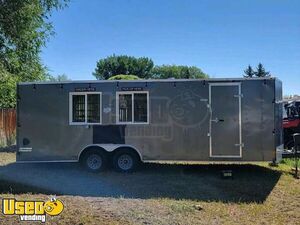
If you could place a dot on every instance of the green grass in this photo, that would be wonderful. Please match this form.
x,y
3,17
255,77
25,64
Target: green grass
x,y
291,162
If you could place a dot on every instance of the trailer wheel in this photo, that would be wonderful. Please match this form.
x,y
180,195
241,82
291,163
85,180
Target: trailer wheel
x,y
125,160
94,161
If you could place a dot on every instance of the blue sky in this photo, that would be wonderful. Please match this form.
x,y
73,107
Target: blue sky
x,y
219,36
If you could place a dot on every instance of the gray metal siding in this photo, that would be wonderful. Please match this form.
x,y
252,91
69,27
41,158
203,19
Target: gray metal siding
x,y
278,107
178,127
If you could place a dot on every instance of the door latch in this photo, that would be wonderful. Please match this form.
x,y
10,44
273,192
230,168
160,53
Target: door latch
x,y
216,120
239,145
239,96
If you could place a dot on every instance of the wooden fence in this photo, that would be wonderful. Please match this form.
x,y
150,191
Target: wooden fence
x,y
7,127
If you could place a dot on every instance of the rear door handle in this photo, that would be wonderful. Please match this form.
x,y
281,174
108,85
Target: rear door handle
x,y
217,120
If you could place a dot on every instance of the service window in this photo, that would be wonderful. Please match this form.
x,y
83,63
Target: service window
x,y
85,108
132,107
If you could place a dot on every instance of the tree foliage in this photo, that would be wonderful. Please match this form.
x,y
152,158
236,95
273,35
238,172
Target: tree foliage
x,y
24,30
261,72
7,88
177,72
124,77
143,68
115,65
58,78
249,72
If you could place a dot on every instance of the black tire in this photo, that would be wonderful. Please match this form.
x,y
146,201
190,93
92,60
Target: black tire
x,y
126,160
94,160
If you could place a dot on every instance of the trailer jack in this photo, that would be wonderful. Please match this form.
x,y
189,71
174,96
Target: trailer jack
x,y
296,168
294,153
297,152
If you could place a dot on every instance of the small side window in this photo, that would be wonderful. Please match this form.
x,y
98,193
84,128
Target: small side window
x,y
85,108
125,108
132,107
78,108
140,107
93,108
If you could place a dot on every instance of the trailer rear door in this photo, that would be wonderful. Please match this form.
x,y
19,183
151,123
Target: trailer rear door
x,y
225,120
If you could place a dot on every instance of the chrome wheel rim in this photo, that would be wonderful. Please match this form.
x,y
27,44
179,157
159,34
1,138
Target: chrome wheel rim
x,y
94,161
125,162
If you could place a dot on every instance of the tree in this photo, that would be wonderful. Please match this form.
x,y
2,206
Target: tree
x,y
7,88
62,77
144,68
177,72
195,72
123,64
261,72
24,30
249,72
124,77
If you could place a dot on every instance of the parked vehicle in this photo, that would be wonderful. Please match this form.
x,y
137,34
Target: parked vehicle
x,y
122,123
291,122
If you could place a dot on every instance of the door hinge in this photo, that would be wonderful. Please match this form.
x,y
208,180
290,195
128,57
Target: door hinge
x,y
239,145
239,96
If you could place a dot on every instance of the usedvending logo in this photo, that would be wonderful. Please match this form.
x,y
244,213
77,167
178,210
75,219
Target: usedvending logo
x,y
32,210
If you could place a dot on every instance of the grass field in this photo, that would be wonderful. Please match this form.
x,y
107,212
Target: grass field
x,y
178,194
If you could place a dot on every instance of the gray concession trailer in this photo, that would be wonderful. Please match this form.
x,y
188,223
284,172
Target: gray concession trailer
x,y
123,122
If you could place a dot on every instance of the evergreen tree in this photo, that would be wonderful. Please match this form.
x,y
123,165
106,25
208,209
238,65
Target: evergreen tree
x,y
261,72
249,72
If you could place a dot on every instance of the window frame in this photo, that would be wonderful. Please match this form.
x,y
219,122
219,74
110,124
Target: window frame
x,y
118,93
71,94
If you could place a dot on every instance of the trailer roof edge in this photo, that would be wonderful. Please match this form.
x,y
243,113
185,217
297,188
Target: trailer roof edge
x,y
149,80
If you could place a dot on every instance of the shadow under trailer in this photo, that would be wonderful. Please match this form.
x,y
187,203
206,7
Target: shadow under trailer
x,y
123,123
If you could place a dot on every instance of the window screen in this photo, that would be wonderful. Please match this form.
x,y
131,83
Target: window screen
x,y
125,108
140,107
93,108
78,108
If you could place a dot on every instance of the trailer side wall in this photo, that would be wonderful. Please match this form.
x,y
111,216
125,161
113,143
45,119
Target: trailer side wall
x,y
179,120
